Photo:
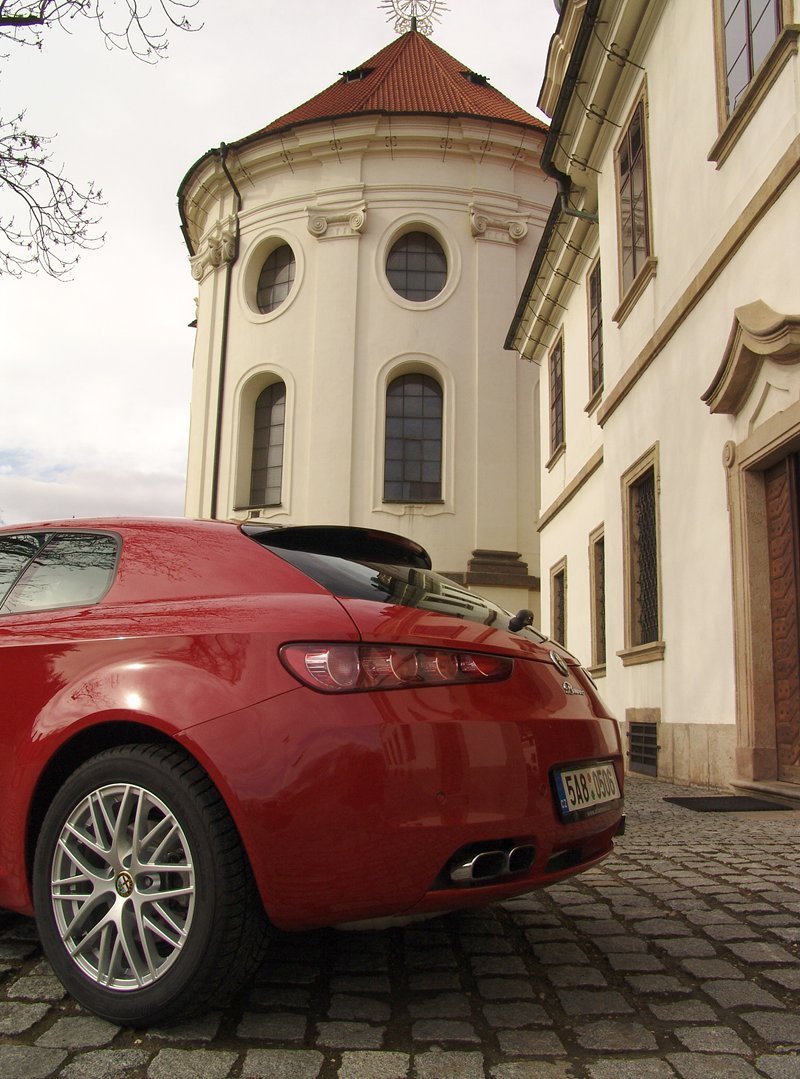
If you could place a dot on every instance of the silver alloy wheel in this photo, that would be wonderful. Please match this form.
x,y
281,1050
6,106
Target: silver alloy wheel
x,y
122,886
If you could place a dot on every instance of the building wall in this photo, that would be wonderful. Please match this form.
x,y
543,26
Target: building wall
x,y
724,233
343,333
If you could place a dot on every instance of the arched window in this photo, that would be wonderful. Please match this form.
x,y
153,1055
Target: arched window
x,y
417,267
276,279
413,454
267,468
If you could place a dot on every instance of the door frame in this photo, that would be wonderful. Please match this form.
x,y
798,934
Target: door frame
x,y
746,463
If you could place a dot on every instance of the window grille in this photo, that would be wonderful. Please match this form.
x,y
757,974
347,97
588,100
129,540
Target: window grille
x,y
558,629
644,560
596,329
599,600
266,475
417,267
413,451
276,279
557,397
643,748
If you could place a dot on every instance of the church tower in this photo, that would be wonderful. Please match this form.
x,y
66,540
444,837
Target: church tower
x,y
358,262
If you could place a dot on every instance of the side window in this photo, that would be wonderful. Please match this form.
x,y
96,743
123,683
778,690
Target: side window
x,y
558,602
73,569
634,225
640,510
755,41
597,590
413,451
557,398
595,331
750,29
15,554
266,475
643,564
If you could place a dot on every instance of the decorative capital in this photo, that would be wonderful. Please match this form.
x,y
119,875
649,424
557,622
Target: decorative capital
x,y
217,247
331,222
499,227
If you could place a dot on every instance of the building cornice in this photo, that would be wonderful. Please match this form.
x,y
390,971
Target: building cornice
x,y
204,189
591,71
572,488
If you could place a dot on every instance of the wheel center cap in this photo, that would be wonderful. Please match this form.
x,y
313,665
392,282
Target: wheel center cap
x,y
124,885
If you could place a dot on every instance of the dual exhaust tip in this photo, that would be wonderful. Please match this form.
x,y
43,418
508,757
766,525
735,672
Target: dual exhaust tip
x,y
486,865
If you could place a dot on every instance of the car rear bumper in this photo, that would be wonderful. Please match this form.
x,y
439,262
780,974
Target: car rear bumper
x,y
354,807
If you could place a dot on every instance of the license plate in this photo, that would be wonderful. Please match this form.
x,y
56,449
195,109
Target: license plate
x,y
581,790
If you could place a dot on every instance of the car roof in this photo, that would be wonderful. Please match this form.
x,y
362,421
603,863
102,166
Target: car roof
x,y
111,524
345,541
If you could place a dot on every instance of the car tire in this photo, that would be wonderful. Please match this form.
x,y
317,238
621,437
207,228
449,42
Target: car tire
x,y
144,898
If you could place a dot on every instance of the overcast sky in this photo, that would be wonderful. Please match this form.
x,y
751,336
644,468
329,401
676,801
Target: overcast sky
x,y
96,372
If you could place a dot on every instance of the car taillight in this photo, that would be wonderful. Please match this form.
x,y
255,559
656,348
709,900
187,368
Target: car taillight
x,y
355,668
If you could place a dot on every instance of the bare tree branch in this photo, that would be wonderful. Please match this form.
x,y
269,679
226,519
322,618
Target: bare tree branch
x,y
53,219
46,220
121,22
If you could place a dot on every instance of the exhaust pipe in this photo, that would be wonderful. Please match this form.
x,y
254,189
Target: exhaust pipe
x,y
491,865
520,859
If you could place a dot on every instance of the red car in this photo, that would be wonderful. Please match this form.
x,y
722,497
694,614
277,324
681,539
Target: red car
x,y
209,728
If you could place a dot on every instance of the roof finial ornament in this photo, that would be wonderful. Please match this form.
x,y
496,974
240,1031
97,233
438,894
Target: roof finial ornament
x,y
418,15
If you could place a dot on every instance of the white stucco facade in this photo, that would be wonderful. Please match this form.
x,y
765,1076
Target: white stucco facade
x,y
339,197
701,374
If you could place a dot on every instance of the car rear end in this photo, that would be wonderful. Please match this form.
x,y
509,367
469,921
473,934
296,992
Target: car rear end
x,y
439,761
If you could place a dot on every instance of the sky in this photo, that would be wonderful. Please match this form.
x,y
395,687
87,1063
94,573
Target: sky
x,y
95,373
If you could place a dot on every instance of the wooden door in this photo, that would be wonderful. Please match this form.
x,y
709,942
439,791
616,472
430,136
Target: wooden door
x,y
782,486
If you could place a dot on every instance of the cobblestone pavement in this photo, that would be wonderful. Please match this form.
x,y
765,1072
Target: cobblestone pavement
x,y
679,956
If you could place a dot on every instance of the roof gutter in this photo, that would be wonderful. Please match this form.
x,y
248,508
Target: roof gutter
x,y
223,352
182,189
563,180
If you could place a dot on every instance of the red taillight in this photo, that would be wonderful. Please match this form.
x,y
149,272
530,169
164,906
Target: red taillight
x,y
355,668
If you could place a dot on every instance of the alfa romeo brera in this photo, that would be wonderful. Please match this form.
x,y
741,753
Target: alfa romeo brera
x,y
212,728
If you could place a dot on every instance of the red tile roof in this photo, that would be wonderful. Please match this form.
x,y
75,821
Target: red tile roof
x,y
411,75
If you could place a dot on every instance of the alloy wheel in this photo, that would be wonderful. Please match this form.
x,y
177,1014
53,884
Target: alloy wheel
x,y
122,886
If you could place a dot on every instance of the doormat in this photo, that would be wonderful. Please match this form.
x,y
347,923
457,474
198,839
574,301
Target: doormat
x,y
726,803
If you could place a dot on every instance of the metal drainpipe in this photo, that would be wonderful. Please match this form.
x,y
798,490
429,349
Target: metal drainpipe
x,y
563,180
561,203
223,355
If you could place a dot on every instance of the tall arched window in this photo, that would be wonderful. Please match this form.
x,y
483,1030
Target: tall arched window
x,y
413,454
267,468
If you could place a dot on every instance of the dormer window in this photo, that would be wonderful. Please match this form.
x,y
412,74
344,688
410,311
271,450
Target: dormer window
x,y
357,74
475,78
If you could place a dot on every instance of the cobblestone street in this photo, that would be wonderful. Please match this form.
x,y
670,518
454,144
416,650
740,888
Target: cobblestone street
x,y
679,956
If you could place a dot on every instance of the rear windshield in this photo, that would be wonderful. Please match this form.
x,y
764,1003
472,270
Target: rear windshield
x,y
407,586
